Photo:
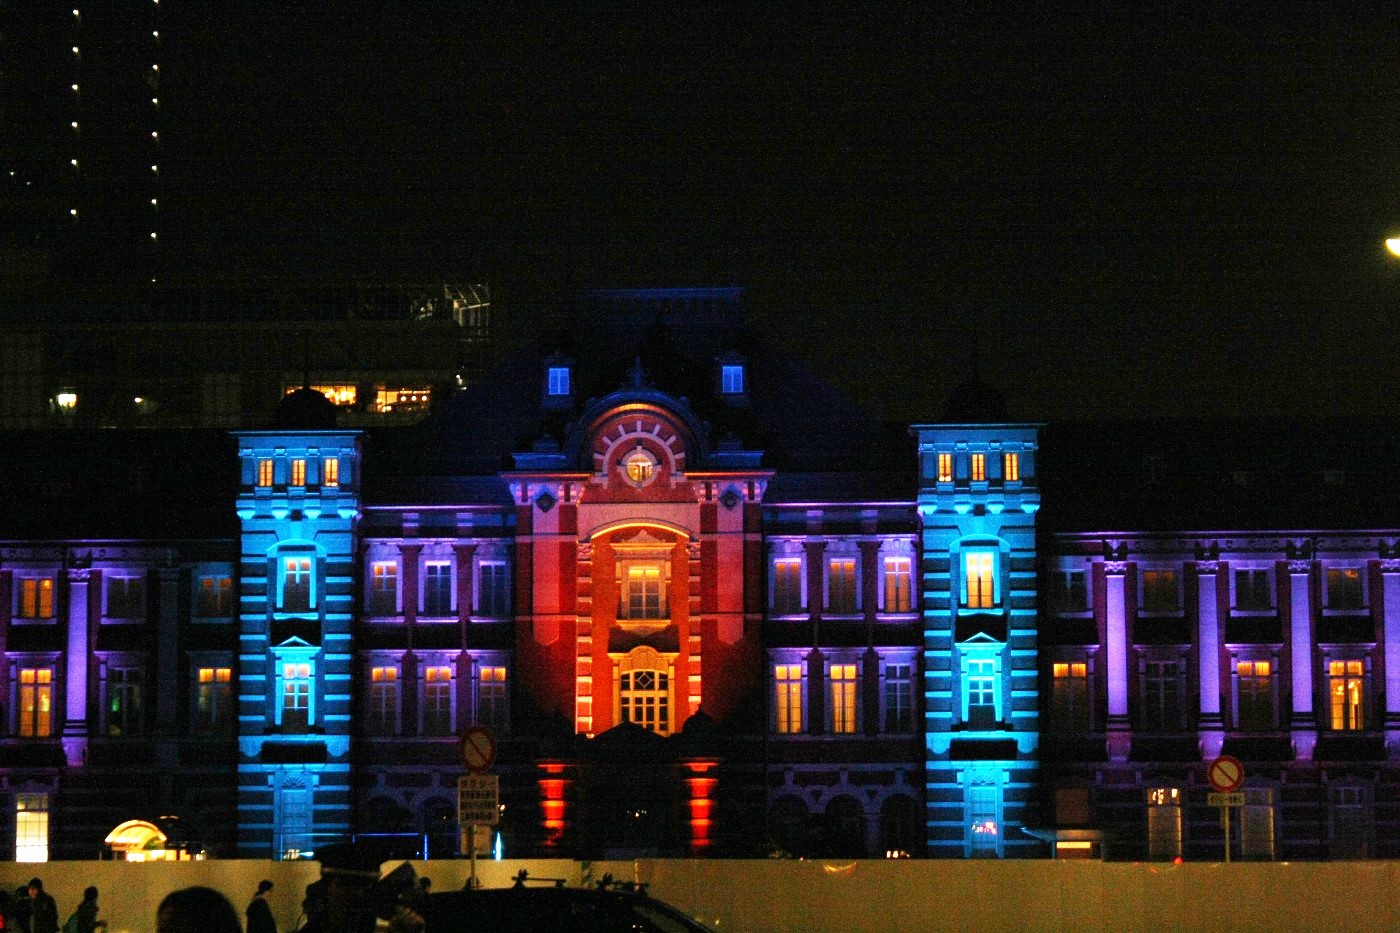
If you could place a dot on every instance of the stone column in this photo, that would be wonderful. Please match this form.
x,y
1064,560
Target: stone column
x,y
76,658
1211,724
1118,725
1390,576
1303,722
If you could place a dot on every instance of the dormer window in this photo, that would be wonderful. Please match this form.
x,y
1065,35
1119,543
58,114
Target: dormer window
x,y
559,381
732,378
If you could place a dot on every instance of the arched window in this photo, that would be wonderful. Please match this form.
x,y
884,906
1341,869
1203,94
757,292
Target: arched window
x,y
644,690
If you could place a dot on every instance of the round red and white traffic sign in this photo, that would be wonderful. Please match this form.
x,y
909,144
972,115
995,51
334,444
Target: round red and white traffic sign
x,y
1225,774
477,749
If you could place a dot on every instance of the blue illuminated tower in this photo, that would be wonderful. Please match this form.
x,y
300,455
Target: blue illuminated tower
x,y
298,504
977,502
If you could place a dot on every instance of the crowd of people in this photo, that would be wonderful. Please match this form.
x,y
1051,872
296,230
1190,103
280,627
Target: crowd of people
x,y
347,899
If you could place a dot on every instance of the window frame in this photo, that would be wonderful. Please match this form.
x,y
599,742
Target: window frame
x,y
1071,686
1356,670
109,687
897,680
733,379
131,605
428,607
431,683
636,577
39,599
45,672
789,685
1252,606
379,719
1010,466
1246,692
988,577
849,590
843,714
384,600
221,594
1146,589
330,472
32,802
219,720
499,720
890,573
283,563
500,595
1167,801
559,381
794,584
1329,607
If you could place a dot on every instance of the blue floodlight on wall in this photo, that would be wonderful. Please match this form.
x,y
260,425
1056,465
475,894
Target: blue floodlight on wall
x,y
978,496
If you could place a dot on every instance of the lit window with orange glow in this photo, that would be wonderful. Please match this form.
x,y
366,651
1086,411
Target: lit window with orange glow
x,y
843,698
979,468
36,598
265,472
1011,468
298,472
945,468
979,580
1347,688
35,702
787,679
644,593
330,471
1255,706
787,585
898,584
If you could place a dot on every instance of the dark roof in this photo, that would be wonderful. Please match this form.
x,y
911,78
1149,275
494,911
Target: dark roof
x,y
305,408
1219,474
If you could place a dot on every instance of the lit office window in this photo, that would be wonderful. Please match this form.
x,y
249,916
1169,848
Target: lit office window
x,y
898,584
264,472
296,696
330,471
843,698
979,580
1069,696
787,585
382,717
213,700
1011,468
1346,684
979,467
841,585
35,702
36,598
787,680
439,688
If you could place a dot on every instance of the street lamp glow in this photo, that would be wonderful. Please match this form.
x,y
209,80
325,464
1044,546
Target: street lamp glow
x,y
1393,244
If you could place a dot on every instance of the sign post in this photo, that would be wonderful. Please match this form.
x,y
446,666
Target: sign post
x,y
478,793
1225,774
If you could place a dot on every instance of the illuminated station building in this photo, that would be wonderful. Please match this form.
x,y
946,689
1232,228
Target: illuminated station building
x,y
706,607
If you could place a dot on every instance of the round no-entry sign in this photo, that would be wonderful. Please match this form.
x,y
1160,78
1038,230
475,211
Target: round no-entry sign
x,y
1225,774
477,749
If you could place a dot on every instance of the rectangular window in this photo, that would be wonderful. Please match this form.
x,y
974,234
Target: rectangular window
x,y
1069,696
644,698
382,717
213,713
402,400
265,472
437,589
1011,468
1159,592
945,468
1069,590
31,827
1344,588
493,590
330,471
732,379
979,468
1256,696
215,597
559,380
981,688
1253,590
491,699
899,580
1346,684
787,585
979,580
1349,822
384,588
125,597
124,701
643,593
296,584
787,679
1161,696
899,698
35,702
1163,824
438,687
841,585
296,697
36,598
843,698
298,472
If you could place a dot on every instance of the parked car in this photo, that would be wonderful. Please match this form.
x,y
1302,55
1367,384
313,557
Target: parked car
x,y
605,908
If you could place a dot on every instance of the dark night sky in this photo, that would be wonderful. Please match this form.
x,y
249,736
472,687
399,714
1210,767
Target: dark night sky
x,y
1136,214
